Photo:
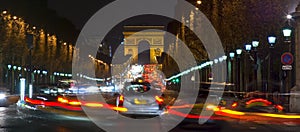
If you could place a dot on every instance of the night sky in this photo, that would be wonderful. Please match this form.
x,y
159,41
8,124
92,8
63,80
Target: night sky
x,y
79,12
76,11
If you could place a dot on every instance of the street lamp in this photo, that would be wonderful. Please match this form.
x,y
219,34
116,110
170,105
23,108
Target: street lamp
x,y
7,73
238,52
15,17
255,44
199,2
231,55
272,40
287,32
9,67
4,12
248,47
19,71
13,79
289,16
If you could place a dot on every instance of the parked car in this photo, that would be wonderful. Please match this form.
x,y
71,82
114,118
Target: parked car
x,y
4,101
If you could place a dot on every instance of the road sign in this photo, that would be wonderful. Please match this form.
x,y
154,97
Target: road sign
x,y
287,58
287,67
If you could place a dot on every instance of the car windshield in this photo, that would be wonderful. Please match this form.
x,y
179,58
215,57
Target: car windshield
x,y
138,87
66,83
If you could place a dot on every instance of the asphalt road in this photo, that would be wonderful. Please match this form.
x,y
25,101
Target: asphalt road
x,y
16,119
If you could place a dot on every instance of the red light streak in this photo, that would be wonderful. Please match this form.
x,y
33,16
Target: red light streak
x,y
223,113
258,100
74,108
53,104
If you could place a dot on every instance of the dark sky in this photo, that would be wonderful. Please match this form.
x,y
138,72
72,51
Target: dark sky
x,y
77,11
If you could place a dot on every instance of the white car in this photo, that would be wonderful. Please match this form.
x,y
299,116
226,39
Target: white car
x,y
3,99
108,89
140,99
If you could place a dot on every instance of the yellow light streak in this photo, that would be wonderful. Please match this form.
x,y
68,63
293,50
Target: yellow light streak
x,y
74,103
279,116
94,105
122,109
232,112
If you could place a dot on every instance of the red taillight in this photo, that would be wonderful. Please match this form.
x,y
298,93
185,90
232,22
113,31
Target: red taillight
x,y
234,105
266,102
159,100
279,107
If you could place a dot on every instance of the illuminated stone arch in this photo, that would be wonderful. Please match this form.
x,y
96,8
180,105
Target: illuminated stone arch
x,y
135,35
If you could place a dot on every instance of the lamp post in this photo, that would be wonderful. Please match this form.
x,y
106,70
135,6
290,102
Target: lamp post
x,y
224,58
255,44
13,80
287,75
272,41
38,78
30,40
231,55
8,80
248,48
287,32
238,52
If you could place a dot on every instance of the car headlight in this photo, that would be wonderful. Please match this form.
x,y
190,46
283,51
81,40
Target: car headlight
x,y
2,96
